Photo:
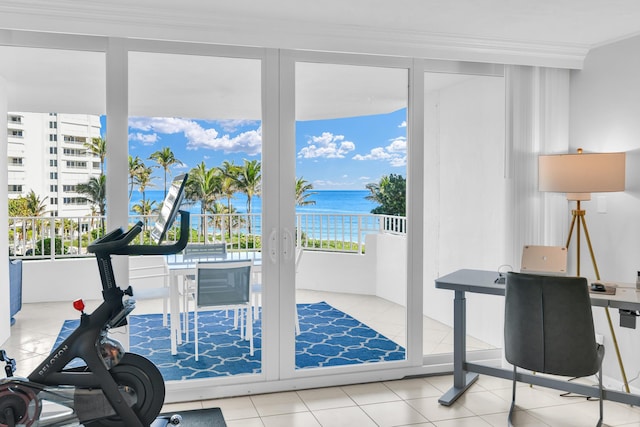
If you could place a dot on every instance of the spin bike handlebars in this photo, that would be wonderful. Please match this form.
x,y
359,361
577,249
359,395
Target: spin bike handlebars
x,y
117,241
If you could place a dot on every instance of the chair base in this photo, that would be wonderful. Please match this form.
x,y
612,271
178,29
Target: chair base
x,y
601,398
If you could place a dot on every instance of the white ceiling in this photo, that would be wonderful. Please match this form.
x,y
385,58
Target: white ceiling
x,y
535,32
584,23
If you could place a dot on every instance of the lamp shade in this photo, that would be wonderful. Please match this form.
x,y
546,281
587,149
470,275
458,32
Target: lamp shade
x,y
581,173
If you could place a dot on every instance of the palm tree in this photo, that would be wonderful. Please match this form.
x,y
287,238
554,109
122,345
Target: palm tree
x,y
229,183
303,191
165,158
144,207
248,180
95,192
143,179
98,147
35,205
203,185
229,186
135,164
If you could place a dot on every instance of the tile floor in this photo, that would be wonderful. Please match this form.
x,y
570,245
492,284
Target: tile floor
x,y
414,402
393,403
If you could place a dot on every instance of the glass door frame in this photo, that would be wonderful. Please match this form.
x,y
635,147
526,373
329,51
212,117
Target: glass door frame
x,y
415,131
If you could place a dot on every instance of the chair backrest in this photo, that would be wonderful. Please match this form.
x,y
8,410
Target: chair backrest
x,y
223,283
205,251
548,325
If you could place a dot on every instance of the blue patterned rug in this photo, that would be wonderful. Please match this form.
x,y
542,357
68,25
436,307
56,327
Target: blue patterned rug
x,y
328,337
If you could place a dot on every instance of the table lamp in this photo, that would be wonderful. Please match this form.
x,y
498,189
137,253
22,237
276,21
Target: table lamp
x,y
579,175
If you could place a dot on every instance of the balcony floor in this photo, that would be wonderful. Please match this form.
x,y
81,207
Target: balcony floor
x,y
38,324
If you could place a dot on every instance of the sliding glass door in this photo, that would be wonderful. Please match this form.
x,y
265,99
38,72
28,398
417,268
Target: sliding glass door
x,y
350,215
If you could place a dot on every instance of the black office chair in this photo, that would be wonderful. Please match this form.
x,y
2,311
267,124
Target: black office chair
x,y
548,328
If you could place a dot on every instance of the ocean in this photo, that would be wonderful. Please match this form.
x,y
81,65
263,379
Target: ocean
x,y
327,202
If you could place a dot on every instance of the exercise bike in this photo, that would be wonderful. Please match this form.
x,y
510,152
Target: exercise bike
x,y
114,388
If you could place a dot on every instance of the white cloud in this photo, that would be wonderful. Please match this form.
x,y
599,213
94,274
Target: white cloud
x,y
144,138
398,145
403,124
233,125
398,162
365,178
249,142
394,153
327,145
378,153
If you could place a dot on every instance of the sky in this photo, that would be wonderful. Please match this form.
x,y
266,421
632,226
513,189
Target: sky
x,y
335,154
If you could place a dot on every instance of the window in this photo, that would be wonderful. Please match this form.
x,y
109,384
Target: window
x,y
74,201
15,188
76,165
16,133
53,150
15,119
53,137
74,152
53,125
53,175
53,162
68,188
53,188
74,139
53,201
16,161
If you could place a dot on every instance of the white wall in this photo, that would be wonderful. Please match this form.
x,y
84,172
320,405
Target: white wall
x,y
465,195
605,117
390,266
338,272
60,280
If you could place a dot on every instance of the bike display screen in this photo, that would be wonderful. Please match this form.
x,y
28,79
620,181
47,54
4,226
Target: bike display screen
x,y
169,209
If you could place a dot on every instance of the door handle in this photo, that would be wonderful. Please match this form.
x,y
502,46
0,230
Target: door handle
x,y
287,244
273,246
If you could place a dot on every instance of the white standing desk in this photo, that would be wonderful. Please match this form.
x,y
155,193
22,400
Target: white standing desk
x,y
178,268
466,373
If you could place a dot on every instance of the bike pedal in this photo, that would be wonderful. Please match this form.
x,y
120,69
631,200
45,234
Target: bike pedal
x,y
10,366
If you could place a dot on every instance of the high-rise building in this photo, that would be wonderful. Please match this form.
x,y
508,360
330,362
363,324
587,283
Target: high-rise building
x,y
47,153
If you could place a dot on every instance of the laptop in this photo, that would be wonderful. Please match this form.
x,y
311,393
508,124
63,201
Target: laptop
x,y
544,260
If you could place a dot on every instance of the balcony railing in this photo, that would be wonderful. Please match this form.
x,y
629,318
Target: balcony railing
x,y
68,237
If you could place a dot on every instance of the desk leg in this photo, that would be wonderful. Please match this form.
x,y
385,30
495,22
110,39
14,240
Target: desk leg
x,y
462,380
174,313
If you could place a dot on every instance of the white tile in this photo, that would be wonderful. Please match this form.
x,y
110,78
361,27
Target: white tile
x,y
483,402
520,418
299,419
533,397
433,411
247,422
413,388
344,417
393,413
364,394
325,398
463,422
278,403
233,408
564,416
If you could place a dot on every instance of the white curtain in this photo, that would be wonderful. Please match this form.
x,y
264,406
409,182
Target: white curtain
x,y
4,214
537,101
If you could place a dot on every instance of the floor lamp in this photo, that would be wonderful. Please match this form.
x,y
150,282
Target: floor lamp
x,y
579,175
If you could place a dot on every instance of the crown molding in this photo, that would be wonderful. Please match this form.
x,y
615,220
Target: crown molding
x,y
207,25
